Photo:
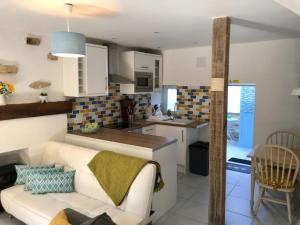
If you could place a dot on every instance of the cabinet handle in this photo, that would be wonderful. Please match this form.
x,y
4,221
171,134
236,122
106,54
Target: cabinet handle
x,y
106,83
145,67
182,136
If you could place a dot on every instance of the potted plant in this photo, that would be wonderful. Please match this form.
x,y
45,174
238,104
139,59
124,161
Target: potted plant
x,y
6,89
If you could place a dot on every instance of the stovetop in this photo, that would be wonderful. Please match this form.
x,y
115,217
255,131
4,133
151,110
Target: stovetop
x,y
121,126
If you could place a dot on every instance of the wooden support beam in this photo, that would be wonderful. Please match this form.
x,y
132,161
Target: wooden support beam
x,y
218,121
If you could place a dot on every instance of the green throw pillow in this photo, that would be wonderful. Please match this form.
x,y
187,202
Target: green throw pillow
x,y
23,170
53,183
30,178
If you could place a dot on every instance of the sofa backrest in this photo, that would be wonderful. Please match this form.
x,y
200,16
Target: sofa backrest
x,y
139,198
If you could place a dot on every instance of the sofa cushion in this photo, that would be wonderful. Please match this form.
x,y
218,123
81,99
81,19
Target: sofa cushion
x,y
53,183
102,219
74,217
30,178
60,219
24,170
40,209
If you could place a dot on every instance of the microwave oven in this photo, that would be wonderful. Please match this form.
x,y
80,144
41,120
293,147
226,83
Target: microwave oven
x,y
143,81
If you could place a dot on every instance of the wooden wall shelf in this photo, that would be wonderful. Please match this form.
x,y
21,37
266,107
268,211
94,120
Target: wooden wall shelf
x,y
8,69
17,111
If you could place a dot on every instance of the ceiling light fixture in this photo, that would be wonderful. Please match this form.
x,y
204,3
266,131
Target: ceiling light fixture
x,y
66,43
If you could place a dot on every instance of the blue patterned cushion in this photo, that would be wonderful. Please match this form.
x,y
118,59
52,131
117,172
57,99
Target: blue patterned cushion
x,y
53,183
30,178
23,170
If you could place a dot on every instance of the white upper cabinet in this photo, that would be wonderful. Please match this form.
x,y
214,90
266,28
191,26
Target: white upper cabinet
x,y
144,69
143,61
87,76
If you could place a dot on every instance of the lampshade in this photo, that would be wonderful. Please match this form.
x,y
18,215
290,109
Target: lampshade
x,y
296,91
68,44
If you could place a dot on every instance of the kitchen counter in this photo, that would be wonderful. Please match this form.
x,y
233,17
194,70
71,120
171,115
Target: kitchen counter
x,y
144,123
142,140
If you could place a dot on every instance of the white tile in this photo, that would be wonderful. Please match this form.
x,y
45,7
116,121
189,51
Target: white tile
x,y
185,191
271,214
236,219
194,180
238,205
180,220
200,197
194,210
243,192
229,188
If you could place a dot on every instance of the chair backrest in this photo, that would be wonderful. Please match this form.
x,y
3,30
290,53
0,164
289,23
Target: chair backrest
x,y
284,138
276,166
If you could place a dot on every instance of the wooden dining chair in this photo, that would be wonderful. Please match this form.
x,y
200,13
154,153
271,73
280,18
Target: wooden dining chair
x,y
276,169
284,138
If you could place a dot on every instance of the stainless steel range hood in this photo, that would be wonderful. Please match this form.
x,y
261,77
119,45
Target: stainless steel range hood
x,y
118,79
114,74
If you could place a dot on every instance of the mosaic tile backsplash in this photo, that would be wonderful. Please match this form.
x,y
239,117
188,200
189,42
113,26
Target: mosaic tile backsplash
x,y
104,109
193,102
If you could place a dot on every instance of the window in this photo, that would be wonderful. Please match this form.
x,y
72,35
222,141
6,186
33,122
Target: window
x,y
170,97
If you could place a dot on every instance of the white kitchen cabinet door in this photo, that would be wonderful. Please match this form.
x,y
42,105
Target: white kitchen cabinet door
x,y
96,70
157,77
143,61
180,134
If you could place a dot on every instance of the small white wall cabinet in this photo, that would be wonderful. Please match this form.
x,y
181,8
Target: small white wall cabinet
x,y
133,61
87,76
185,137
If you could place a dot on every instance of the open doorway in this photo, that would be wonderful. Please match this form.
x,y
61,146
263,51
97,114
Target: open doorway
x,y
240,121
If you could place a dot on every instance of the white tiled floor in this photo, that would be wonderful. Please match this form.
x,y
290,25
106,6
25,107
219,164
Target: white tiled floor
x,y
192,204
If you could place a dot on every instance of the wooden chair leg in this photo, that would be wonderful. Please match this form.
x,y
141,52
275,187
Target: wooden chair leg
x,y
288,200
261,194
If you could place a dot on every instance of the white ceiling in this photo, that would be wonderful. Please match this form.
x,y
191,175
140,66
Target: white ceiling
x,y
181,23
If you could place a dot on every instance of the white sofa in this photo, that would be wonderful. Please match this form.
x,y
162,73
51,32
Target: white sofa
x,y
89,198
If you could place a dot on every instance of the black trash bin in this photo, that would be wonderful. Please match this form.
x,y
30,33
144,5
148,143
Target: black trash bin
x,y
199,158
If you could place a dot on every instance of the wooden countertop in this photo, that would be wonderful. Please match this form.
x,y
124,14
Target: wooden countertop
x,y
141,140
144,123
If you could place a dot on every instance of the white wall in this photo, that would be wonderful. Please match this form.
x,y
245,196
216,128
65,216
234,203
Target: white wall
x,y
274,66
32,65
30,133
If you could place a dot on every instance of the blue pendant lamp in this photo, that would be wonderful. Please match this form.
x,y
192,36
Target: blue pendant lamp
x,y
66,43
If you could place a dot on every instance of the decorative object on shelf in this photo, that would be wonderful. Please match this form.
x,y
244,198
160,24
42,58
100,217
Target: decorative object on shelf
x,y
8,69
90,128
33,41
52,57
296,91
68,44
41,85
43,97
6,89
